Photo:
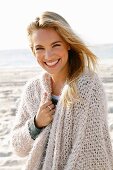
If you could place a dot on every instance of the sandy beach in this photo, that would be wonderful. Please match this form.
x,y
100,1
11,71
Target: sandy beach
x,y
11,85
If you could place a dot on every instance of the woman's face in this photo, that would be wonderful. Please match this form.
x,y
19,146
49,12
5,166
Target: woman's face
x,y
50,50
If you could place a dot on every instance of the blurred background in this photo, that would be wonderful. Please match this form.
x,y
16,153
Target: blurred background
x,y
91,20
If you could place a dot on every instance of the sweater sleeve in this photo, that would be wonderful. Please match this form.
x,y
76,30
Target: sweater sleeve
x,y
33,130
21,140
92,149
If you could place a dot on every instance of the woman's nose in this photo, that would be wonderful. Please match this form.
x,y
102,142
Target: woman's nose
x,y
48,54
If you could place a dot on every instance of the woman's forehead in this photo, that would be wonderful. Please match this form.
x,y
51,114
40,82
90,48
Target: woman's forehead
x,y
45,35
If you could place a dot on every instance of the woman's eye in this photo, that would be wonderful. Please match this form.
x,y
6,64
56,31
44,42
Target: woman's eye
x,y
56,45
39,48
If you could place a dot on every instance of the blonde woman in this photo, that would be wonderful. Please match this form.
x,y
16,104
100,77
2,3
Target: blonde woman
x,y
61,119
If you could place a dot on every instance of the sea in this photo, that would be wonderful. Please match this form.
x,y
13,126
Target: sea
x,y
18,58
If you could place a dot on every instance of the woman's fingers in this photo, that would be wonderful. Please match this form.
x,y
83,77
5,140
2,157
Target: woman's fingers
x,y
43,106
45,113
50,107
47,106
51,113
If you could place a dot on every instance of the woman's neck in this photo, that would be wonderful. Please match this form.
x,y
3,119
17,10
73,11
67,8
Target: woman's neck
x,y
57,85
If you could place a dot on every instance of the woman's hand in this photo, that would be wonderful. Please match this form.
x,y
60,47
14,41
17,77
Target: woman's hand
x,y
45,114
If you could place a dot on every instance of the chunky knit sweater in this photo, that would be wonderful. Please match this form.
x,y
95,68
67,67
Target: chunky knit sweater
x,y
77,138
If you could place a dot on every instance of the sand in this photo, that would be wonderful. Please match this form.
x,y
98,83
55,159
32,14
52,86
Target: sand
x,y
12,82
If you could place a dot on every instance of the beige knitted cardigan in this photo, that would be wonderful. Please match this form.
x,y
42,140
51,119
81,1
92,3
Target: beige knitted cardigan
x,y
77,139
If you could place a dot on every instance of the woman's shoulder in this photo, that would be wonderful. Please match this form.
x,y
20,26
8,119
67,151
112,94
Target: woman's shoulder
x,y
89,78
89,83
89,75
31,83
35,81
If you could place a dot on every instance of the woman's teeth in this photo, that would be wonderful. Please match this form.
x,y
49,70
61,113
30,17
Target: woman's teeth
x,y
52,63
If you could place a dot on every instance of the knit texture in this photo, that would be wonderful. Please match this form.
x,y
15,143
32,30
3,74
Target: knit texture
x,y
78,137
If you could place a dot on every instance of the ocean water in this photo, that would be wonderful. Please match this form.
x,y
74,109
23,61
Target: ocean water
x,y
17,58
24,58
104,53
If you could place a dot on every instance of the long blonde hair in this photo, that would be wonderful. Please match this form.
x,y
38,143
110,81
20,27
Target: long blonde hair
x,y
79,54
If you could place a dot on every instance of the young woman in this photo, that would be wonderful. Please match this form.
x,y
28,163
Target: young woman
x,y
61,122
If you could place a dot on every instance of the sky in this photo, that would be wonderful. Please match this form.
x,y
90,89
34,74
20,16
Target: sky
x,y
90,19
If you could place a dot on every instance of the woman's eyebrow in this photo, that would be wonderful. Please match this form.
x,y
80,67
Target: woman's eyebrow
x,y
55,42
39,45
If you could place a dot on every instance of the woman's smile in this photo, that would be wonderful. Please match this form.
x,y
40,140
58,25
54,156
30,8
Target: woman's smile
x,y
53,63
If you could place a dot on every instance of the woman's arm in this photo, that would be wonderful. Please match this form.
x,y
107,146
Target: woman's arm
x,y
21,139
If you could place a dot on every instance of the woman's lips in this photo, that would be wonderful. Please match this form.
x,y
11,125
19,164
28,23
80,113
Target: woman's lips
x,y
52,63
